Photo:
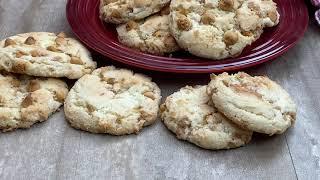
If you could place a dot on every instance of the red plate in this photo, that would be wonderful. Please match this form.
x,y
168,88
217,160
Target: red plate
x,y
83,17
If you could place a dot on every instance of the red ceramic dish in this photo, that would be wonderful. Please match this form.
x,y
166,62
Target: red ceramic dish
x,y
83,17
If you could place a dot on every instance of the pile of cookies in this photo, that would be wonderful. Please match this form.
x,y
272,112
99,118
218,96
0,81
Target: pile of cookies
x,y
30,64
225,113
220,115
215,29
105,100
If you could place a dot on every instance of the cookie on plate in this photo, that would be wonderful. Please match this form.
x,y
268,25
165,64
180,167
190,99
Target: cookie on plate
x,y
254,103
26,100
222,28
122,11
151,35
45,54
189,113
113,101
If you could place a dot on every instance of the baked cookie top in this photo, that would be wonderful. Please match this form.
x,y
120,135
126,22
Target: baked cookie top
x,y
122,11
151,35
189,113
217,29
26,100
114,101
45,54
254,103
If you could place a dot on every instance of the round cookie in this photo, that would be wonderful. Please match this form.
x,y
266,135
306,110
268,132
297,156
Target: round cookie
x,y
113,101
122,11
45,54
254,103
189,113
222,28
151,35
26,100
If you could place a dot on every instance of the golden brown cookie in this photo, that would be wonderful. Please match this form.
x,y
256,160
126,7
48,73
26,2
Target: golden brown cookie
x,y
26,100
113,101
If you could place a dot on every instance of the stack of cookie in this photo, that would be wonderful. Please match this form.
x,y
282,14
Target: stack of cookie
x,y
105,100
225,113
29,67
211,29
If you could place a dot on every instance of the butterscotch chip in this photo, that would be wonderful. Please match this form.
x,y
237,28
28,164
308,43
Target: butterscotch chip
x,y
30,41
226,5
113,101
184,24
75,60
9,42
207,18
119,12
37,53
168,41
59,96
61,41
151,35
189,114
61,35
255,103
132,25
46,55
115,14
19,54
220,29
27,100
53,49
273,16
33,85
231,38
247,33
149,95
19,67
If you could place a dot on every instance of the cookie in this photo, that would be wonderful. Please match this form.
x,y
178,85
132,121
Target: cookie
x,y
46,55
122,11
113,101
222,28
26,100
189,113
254,103
151,35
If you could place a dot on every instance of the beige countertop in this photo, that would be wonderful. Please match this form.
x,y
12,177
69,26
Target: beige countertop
x,y
53,150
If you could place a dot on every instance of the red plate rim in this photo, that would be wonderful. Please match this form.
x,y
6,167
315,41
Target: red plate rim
x,y
120,53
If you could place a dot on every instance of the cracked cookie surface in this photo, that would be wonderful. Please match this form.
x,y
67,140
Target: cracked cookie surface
x,y
45,54
113,101
151,35
218,29
189,113
122,11
255,103
26,100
